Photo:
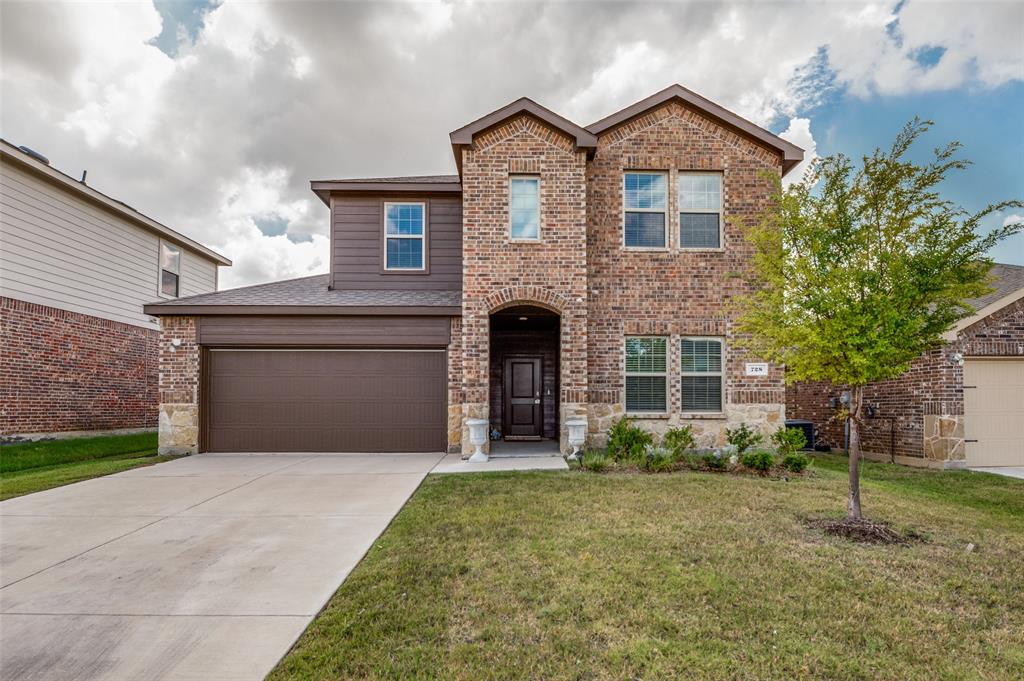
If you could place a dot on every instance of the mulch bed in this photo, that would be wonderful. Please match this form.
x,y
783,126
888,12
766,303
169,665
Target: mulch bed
x,y
862,531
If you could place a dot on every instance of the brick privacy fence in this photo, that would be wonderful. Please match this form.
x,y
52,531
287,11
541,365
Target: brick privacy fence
x,y
933,386
65,371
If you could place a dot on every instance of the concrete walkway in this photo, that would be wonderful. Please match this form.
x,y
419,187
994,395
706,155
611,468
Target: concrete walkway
x,y
207,567
1006,471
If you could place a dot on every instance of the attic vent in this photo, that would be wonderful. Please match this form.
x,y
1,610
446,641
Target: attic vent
x,y
36,155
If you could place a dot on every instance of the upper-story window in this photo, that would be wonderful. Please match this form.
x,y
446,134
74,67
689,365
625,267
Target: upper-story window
x,y
700,210
524,208
645,199
404,236
170,269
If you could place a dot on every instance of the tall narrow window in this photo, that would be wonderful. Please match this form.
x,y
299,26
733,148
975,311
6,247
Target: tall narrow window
x,y
645,200
524,208
700,210
403,236
170,269
701,374
646,374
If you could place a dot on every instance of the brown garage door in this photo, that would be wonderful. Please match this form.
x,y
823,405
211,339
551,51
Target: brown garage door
x,y
326,401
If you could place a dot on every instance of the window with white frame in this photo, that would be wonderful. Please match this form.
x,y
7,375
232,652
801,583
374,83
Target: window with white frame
x,y
700,210
524,208
646,374
701,374
170,270
404,236
645,202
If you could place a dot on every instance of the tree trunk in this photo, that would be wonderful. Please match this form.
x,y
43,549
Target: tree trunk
x,y
856,399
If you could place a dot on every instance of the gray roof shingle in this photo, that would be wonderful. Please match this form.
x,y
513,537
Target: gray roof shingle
x,y
313,291
1007,279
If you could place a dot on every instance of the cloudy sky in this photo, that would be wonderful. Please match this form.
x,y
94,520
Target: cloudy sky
x,y
212,117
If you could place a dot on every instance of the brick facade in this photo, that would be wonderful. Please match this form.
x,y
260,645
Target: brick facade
x,y
673,292
499,273
179,385
65,371
919,414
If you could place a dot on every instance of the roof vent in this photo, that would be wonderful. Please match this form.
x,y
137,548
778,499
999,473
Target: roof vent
x,y
36,155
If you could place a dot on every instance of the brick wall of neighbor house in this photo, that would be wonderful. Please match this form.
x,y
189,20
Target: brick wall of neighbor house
x,y
65,371
179,386
919,415
498,273
673,293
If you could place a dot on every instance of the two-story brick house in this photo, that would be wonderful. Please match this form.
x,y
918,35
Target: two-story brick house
x,y
563,272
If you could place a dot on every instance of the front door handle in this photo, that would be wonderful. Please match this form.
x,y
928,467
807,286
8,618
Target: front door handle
x,y
537,401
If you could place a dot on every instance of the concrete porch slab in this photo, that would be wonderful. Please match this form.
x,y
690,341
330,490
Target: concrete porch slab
x,y
454,463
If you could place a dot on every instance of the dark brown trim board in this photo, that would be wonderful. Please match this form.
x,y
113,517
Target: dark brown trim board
x,y
377,187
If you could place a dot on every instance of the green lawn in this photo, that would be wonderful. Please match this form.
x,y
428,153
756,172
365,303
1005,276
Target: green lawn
x,y
33,466
686,575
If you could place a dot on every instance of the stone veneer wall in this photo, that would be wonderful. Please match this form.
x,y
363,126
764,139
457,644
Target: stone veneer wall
x,y
179,386
499,272
64,371
924,407
674,292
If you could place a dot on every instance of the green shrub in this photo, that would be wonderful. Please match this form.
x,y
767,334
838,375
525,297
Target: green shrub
x,y
679,439
789,440
795,461
743,438
595,461
759,460
715,459
657,459
627,441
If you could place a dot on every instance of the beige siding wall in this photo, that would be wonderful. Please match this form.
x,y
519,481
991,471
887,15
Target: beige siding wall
x,y
59,250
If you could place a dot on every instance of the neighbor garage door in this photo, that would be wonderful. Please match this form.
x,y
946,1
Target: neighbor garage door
x,y
326,401
994,411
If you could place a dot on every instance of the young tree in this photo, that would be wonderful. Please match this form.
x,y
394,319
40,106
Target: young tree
x,y
860,270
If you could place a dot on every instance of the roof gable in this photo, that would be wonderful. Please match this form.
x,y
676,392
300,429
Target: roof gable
x,y
463,137
791,154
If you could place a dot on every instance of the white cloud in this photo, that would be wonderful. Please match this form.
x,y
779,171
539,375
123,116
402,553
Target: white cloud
x,y
1013,218
271,95
799,133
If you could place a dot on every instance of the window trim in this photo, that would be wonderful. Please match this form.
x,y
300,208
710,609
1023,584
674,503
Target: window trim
x,y
666,374
424,267
665,211
720,374
520,239
720,212
164,243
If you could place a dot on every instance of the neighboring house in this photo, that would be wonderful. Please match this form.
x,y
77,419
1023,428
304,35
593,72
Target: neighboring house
x,y
78,352
564,272
959,405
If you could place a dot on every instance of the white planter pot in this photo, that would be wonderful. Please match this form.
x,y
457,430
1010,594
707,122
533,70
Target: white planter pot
x,y
577,436
477,438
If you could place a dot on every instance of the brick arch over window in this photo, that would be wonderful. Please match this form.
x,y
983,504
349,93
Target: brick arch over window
x,y
526,295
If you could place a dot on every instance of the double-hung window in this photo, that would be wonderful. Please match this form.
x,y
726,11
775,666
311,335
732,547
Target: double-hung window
x,y
646,374
170,270
645,201
403,236
700,210
701,374
524,208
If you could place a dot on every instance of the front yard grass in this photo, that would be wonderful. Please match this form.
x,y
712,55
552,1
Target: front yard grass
x,y
34,466
685,575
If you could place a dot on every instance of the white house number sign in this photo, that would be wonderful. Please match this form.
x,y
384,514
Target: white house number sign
x,y
757,368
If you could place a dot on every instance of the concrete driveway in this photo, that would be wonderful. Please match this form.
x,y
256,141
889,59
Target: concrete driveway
x,y
207,567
